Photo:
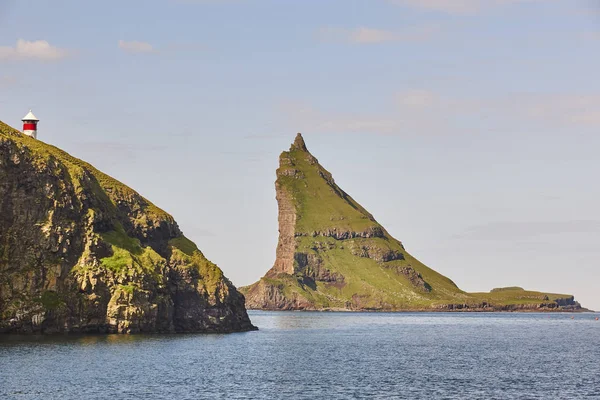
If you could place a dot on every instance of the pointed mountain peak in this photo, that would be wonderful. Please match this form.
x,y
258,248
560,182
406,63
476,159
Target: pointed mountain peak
x,y
298,143
333,255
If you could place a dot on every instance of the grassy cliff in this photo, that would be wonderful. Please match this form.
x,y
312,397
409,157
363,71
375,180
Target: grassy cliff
x,y
82,252
333,254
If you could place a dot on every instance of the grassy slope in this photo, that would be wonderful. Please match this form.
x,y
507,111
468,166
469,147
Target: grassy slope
x,y
75,167
128,256
321,205
517,296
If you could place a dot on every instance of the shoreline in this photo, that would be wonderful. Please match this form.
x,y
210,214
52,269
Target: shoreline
x,y
343,310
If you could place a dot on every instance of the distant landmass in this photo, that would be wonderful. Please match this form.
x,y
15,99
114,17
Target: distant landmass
x,y
82,252
333,255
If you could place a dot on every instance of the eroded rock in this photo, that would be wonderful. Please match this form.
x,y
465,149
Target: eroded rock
x,y
81,252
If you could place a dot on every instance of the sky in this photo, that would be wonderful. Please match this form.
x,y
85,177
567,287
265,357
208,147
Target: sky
x,y
468,128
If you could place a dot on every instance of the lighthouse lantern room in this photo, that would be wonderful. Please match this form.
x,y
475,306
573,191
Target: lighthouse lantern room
x,y
30,125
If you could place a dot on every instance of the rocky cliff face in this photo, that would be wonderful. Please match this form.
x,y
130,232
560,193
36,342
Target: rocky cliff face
x,y
81,252
332,254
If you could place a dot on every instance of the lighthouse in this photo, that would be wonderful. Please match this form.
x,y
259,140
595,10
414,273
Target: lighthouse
x,y
30,125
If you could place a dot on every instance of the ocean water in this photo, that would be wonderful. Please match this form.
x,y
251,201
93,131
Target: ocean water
x,y
305,355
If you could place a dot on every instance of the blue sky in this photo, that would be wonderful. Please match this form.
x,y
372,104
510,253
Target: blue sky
x,y
469,128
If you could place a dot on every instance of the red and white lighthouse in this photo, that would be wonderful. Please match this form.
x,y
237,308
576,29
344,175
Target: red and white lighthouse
x,y
30,125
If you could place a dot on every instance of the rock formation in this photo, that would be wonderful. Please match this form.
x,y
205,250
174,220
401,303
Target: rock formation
x,y
81,252
333,255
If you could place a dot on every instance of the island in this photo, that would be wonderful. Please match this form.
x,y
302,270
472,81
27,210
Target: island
x,y
333,255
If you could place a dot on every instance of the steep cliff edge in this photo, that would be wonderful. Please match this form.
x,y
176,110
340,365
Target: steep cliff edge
x,y
81,252
333,255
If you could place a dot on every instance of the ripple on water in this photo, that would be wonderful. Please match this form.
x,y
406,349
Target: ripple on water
x,y
320,355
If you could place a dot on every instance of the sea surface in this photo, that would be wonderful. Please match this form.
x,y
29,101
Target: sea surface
x,y
306,355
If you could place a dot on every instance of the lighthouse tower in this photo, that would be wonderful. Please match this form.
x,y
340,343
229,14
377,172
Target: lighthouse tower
x,y
30,125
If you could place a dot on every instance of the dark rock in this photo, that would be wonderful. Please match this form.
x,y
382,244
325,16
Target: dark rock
x,y
81,252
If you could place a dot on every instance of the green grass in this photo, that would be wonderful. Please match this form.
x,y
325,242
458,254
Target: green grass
x,y
377,283
129,289
184,244
380,287
44,153
507,289
320,203
127,254
322,206
212,276
120,239
185,253
119,261
129,257
128,262
516,295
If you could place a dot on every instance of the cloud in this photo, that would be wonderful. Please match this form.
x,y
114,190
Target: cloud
x,y
407,112
417,98
425,112
459,7
529,230
136,47
305,117
39,50
7,81
365,35
581,110
448,6
207,1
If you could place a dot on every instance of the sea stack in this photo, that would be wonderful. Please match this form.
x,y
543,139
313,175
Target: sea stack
x,y
333,255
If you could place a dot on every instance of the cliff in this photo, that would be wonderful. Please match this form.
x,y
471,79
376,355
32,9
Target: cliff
x,y
333,255
81,252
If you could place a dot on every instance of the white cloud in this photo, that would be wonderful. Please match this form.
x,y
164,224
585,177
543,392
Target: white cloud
x,y
463,7
365,35
6,81
39,50
207,1
308,118
424,112
591,35
417,98
136,47
565,109
449,6
369,35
